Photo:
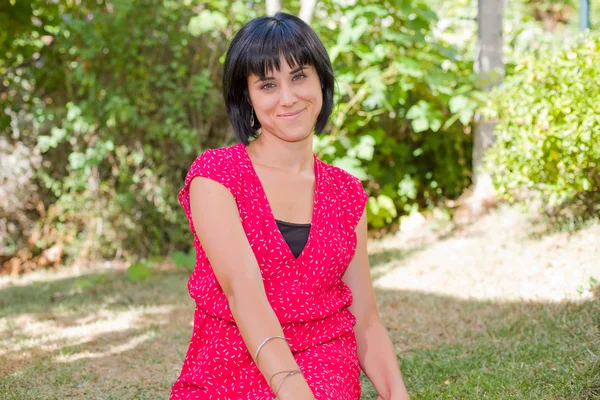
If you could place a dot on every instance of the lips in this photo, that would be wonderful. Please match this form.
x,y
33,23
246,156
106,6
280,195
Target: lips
x,y
291,115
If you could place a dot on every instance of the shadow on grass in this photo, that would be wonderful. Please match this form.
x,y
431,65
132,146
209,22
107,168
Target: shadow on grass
x,y
564,222
117,339
379,259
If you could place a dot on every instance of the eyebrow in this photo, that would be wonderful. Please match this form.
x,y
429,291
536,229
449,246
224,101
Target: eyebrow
x,y
266,78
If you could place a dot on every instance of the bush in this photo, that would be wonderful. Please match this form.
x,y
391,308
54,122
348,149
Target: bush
x,y
115,100
111,101
548,136
405,105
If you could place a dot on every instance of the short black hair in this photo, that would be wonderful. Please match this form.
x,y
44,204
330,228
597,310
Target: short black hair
x,y
257,49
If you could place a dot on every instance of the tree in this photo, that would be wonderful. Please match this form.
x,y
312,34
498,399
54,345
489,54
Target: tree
x,y
490,66
307,8
273,6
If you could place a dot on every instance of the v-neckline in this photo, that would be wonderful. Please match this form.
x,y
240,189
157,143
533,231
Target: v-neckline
x,y
271,218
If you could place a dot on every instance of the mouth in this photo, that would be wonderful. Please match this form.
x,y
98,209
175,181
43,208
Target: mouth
x,y
291,115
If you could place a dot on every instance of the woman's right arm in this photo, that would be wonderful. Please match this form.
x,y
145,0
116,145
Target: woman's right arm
x,y
217,223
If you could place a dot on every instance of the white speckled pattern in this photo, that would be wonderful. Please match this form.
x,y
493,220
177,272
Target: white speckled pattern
x,y
306,293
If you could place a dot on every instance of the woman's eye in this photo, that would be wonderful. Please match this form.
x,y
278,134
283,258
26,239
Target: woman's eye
x,y
299,76
268,86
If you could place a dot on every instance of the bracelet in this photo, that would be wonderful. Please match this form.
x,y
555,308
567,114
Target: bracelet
x,y
274,375
263,343
289,373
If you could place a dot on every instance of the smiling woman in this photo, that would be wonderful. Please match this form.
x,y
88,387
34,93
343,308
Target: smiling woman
x,y
272,64
284,300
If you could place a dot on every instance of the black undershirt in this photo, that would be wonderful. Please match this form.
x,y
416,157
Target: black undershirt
x,y
295,235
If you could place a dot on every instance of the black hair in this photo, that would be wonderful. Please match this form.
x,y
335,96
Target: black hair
x,y
257,49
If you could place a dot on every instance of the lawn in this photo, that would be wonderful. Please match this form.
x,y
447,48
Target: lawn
x,y
459,334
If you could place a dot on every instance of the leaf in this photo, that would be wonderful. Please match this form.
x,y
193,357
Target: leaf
x,y
352,166
206,21
466,116
420,124
387,204
458,103
417,111
435,125
138,271
76,160
365,148
407,187
409,67
182,259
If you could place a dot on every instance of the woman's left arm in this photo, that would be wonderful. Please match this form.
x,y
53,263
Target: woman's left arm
x,y
376,352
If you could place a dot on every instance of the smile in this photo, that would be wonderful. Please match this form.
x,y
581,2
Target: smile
x,y
291,115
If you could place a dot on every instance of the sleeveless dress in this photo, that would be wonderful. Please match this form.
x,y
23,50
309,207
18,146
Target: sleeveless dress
x,y
306,293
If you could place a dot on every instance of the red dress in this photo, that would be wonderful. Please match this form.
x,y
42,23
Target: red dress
x,y
306,293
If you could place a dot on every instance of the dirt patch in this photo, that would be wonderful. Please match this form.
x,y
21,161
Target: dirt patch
x,y
499,257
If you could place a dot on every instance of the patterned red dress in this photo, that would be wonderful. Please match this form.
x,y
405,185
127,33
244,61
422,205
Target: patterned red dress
x,y
306,293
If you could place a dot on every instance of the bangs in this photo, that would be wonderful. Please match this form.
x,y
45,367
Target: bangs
x,y
272,43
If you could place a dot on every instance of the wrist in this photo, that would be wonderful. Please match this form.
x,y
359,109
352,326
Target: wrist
x,y
399,393
292,387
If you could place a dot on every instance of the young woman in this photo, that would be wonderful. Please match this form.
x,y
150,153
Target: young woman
x,y
284,301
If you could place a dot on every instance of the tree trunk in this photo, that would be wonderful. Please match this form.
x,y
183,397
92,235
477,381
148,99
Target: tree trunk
x,y
273,6
489,64
307,10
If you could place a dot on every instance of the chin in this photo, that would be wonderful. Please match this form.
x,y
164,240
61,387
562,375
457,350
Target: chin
x,y
293,134
296,137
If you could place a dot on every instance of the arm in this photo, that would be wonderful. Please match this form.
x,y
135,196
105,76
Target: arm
x,y
375,349
217,223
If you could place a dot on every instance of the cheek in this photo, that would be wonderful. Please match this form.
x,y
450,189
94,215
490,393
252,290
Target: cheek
x,y
262,102
316,95
318,102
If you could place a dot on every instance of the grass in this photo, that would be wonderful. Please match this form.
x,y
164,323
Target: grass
x,y
99,335
517,351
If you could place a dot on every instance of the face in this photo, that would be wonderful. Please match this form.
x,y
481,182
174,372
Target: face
x,y
287,102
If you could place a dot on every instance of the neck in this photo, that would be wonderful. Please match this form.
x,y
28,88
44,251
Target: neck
x,y
270,151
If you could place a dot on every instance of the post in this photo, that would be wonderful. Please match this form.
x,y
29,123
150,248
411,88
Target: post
x,y
584,15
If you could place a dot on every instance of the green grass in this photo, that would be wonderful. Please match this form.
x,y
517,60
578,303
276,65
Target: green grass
x,y
117,339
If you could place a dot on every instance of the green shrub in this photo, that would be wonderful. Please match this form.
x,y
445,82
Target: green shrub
x,y
548,135
404,109
115,99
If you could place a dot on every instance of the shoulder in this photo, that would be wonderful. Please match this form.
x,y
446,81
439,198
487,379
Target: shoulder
x,y
218,164
341,180
221,165
222,157
348,191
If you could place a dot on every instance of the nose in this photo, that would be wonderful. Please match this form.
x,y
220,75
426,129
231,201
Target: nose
x,y
287,96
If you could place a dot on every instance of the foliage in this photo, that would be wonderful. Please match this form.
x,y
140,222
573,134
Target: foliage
x,y
548,137
405,104
117,98
187,260
107,103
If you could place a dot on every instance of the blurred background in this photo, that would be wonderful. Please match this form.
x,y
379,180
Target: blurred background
x,y
474,126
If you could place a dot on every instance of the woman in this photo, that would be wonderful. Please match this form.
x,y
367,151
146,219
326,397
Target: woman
x,y
284,301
